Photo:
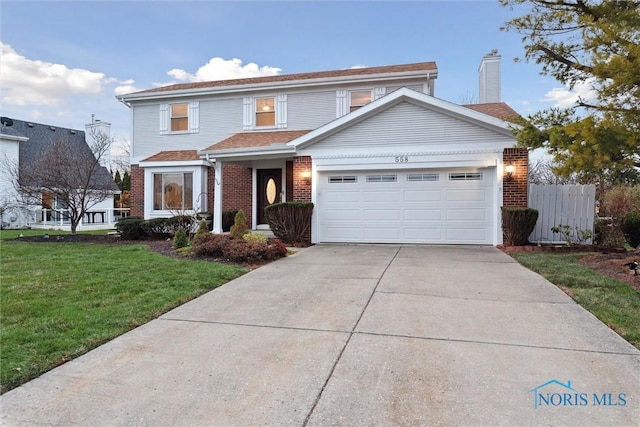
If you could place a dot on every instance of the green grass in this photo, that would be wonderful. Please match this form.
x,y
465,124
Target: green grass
x,y
613,302
60,300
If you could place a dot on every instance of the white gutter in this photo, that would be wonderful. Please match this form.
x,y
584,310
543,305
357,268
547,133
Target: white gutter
x,y
324,81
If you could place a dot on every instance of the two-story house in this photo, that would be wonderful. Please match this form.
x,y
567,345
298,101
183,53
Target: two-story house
x,y
382,159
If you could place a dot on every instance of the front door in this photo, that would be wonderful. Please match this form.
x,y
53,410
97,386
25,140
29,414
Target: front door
x,y
269,189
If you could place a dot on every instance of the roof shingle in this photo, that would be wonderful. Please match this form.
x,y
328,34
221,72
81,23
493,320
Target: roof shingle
x,y
419,66
257,139
499,110
173,156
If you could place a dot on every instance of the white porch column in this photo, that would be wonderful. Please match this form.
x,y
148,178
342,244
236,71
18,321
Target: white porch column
x,y
217,198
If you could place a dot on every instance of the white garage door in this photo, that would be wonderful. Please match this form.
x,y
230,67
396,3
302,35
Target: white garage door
x,y
430,206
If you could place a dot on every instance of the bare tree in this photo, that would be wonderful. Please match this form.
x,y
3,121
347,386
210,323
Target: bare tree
x,y
68,170
542,171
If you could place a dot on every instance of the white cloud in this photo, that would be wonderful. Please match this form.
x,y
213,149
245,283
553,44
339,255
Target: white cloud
x,y
125,86
33,82
564,97
223,69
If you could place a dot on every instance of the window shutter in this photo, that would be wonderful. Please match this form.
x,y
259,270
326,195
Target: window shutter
x,y
247,121
281,111
341,103
194,117
164,119
379,92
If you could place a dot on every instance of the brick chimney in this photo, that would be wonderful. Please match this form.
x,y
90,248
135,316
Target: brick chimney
x,y
489,74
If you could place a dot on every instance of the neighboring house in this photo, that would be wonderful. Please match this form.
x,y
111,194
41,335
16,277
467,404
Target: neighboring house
x,y
382,159
23,143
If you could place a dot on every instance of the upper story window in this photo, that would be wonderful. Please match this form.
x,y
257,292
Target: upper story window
x,y
359,98
265,112
179,117
172,191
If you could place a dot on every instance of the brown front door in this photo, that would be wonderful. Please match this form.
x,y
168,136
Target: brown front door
x,y
269,188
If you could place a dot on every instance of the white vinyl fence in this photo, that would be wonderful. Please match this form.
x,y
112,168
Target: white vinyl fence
x,y
572,205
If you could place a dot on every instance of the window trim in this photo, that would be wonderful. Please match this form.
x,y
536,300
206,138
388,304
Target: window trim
x,y
274,99
185,193
423,177
382,178
171,117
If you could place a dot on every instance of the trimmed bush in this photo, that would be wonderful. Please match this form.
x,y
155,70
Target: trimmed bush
x,y
228,217
239,228
238,250
130,228
180,239
631,229
255,237
157,228
290,221
203,230
517,224
211,245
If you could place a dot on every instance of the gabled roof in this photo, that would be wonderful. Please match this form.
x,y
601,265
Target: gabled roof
x,y
495,109
415,69
41,136
396,97
256,139
172,156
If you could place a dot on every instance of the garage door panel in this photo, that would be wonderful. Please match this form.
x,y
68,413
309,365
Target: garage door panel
x,y
342,215
467,215
420,196
381,234
337,196
381,196
413,215
422,234
381,214
342,234
471,235
447,206
467,195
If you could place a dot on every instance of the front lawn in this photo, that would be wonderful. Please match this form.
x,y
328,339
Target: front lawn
x,y
60,300
615,303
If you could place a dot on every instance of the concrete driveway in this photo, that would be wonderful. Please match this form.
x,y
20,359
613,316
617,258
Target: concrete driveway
x,y
355,335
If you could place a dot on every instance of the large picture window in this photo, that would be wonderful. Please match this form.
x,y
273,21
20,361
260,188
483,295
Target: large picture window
x,y
173,191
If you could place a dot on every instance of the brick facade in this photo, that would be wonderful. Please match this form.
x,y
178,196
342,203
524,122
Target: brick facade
x,y
136,195
515,192
301,185
302,182
237,187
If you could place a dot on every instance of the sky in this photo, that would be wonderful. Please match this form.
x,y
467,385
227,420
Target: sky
x,y
61,62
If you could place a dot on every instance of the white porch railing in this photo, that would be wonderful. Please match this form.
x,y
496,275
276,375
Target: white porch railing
x,y
93,218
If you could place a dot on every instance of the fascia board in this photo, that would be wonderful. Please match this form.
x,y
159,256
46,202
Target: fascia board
x,y
279,149
172,163
13,138
278,85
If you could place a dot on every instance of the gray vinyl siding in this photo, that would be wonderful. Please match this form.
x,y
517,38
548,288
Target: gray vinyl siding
x,y
407,124
219,119
417,88
311,110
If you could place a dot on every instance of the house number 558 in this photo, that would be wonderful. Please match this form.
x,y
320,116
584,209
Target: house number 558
x,y
402,159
